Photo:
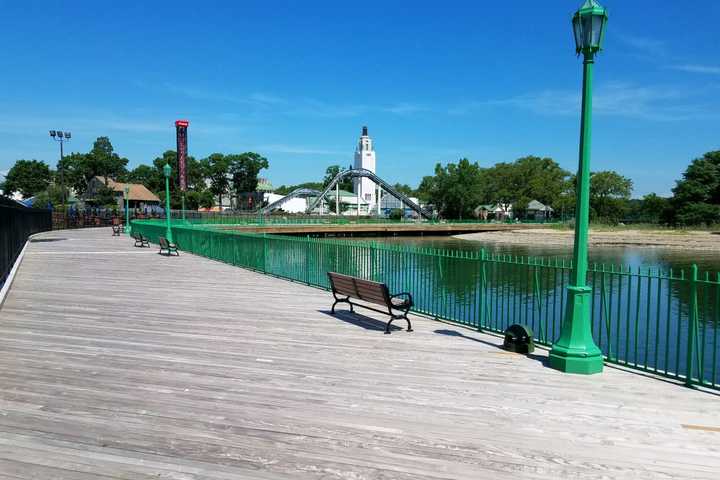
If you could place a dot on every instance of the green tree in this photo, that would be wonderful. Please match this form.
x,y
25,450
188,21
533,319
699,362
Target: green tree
x,y
696,197
52,196
285,189
456,189
73,172
526,179
244,169
28,177
147,175
102,160
331,172
426,188
653,209
195,178
195,199
77,169
216,169
405,189
609,195
105,197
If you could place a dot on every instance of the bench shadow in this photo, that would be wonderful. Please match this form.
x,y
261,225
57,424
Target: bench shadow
x,y
454,333
361,320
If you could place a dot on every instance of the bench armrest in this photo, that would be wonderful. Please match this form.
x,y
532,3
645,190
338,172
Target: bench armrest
x,y
404,294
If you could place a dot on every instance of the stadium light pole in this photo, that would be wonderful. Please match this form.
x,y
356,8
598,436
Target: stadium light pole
x,y
575,351
127,209
168,232
62,137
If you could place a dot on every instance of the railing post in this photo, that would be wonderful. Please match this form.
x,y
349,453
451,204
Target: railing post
x,y
483,286
264,259
307,259
692,327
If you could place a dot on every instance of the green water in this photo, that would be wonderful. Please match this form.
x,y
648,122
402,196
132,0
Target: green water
x,y
629,256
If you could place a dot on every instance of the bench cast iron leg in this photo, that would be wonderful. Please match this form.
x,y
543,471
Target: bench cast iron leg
x,y
341,300
409,329
387,326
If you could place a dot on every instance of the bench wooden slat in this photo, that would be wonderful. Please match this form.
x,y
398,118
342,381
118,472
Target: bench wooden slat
x,y
373,297
345,286
368,291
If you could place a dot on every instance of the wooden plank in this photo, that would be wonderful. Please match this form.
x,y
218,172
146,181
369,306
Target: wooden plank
x,y
120,363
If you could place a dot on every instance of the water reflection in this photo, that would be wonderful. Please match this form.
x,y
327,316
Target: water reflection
x,y
634,257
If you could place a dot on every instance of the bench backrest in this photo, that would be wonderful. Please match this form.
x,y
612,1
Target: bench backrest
x,y
366,290
163,242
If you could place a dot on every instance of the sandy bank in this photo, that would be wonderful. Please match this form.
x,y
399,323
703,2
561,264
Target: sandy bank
x,y
684,239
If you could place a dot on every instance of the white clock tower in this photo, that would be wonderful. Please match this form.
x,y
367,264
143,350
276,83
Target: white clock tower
x,y
365,158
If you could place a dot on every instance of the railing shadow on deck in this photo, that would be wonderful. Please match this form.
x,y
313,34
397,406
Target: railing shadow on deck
x,y
454,333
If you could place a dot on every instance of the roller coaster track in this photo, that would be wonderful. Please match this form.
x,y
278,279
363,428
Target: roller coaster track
x,y
362,172
300,192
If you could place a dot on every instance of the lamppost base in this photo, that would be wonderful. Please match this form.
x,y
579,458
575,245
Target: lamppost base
x,y
574,363
575,351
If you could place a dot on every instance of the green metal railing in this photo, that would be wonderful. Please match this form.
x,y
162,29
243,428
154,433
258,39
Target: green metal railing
x,y
233,218
666,323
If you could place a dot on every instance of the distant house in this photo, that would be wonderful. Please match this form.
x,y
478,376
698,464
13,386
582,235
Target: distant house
x,y
139,196
264,185
497,211
538,211
483,211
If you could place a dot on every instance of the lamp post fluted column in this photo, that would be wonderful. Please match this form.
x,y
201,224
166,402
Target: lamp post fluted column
x,y
168,231
575,351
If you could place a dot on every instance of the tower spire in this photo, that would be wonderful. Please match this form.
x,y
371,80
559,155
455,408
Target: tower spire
x,y
364,132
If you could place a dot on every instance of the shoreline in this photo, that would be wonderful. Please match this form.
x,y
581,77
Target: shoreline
x,y
547,237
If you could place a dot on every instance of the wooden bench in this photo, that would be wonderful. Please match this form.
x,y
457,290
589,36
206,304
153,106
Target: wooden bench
x,y
116,230
140,240
165,245
345,288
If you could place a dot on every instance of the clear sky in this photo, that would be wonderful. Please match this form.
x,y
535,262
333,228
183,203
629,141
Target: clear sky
x,y
295,81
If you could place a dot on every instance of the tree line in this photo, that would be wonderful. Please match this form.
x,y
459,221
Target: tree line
x,y
208,179
454,189
457,189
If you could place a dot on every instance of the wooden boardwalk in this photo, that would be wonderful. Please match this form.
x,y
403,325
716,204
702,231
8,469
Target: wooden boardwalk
x,y
117,363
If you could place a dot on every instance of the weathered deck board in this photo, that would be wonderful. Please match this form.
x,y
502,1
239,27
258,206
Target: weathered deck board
x,y
117,363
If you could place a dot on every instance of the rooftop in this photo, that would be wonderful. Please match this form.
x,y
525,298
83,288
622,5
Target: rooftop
x,y
120,363
138,192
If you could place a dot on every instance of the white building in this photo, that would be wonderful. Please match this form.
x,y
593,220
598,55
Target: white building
x,y
388,203
294,205
365,158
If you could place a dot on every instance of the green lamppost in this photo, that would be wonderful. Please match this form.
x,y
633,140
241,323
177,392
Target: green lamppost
x,y
127,209
575,351
167,171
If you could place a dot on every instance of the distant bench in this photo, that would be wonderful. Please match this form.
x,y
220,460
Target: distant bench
x,y
165,245
140,240
345,288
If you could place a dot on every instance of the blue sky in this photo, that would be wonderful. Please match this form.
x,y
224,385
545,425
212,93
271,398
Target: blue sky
x,y
295,81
